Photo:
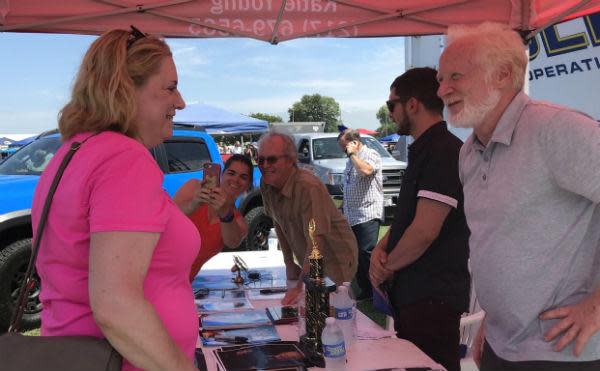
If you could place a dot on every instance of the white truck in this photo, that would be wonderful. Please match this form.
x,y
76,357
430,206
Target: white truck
x,y
320,153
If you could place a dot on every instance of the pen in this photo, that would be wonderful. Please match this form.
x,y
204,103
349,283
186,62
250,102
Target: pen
x,y
272,291
232,339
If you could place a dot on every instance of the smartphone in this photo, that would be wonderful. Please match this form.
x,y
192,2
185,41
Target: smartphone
x,y
212,174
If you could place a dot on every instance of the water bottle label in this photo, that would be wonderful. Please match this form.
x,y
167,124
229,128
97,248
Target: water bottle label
x,y
334,350
344,313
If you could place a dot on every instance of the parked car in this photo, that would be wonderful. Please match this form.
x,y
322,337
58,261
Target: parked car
x,y
180,158
321,153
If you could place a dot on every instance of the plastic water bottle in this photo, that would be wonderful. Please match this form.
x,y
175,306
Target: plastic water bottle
x,y
334,349
272,240
353,299
344,308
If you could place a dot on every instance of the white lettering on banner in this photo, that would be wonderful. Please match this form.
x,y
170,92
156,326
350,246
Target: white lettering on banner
x,y
583,65
315,6
220,6
258,27
311,25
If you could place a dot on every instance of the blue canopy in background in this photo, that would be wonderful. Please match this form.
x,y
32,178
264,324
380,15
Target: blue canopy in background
x,y
22,142
390,138
219,121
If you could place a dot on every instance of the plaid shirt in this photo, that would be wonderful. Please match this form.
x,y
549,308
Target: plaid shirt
x,y
363,195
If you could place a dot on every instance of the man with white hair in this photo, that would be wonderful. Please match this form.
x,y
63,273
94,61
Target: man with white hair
x,y
531,180
292,197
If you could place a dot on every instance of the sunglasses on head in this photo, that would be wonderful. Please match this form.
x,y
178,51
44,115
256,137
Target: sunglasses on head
x,y
134,36
271,160
391,104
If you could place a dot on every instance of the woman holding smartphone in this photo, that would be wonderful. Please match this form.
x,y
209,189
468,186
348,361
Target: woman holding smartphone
x,y
212,209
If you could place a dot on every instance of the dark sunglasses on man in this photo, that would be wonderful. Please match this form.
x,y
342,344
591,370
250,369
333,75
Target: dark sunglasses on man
x,y
270,160
391,104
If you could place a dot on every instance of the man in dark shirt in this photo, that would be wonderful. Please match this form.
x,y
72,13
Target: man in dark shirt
x,y
421,263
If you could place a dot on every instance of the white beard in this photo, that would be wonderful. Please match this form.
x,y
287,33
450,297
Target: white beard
x,y
472,114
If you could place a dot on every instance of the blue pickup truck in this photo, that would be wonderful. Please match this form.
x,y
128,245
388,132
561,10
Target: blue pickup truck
x,y
181,158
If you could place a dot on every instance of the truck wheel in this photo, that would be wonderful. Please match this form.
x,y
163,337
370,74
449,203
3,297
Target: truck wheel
x,y
259,226
13,266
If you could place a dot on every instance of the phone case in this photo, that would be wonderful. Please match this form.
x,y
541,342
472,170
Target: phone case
x,y
212,174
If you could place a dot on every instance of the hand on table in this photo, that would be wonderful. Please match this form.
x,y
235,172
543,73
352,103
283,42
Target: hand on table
x,y
378,273
292,296
577,323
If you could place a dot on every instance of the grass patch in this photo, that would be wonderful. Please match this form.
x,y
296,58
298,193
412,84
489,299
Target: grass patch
x,y
366,306
33,332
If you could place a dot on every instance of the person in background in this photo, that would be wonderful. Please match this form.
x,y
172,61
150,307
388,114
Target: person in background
x,y
531,177
363,202
292,197
237,148
422,259
251,152
116,250
212,210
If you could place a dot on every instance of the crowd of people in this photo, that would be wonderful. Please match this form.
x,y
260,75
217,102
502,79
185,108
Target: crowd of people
x,y
518,203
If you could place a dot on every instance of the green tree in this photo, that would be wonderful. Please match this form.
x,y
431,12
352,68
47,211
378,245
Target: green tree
x,y
386,125
317,108
266,117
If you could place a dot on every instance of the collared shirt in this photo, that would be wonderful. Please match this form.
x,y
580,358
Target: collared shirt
x,y
304,197
441,272
531,200
363,194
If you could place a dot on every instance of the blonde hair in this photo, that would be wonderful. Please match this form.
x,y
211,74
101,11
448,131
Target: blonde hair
x,y
103,96
494,45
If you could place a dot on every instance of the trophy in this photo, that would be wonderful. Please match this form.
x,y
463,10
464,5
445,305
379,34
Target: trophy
x,y
317,289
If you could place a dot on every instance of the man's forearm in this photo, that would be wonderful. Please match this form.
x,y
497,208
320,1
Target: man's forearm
x,y
410,247
363,167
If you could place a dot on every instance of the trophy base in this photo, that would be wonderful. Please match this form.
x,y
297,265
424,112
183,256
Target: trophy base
x,y
312,351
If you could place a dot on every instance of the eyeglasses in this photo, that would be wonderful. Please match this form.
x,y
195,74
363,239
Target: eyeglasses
x,y
134,36
271,160
391,104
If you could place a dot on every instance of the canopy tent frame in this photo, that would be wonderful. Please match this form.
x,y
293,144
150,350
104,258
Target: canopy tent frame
x,y
519,18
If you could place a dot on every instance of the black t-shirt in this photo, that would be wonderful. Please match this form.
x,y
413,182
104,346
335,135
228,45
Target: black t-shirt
x,y
441,272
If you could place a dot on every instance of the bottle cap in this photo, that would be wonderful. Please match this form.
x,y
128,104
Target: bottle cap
x,y
342,289
330,321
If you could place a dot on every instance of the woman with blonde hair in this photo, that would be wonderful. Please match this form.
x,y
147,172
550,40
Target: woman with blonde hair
x,y
116,251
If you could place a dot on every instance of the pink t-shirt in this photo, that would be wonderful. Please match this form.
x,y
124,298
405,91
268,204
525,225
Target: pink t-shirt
x,y
112,184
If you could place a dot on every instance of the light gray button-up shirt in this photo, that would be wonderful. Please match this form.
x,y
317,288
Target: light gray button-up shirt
x,y
531,201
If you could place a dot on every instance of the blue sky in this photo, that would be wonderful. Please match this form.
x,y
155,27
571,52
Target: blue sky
x,y
241,75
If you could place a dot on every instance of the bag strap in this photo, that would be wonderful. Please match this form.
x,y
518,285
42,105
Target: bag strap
x,y
28,281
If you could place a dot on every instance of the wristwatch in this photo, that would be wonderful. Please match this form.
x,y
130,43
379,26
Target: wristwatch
x,y
351,154
227,218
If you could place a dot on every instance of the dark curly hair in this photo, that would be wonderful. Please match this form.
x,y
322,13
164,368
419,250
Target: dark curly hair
x,y
244,160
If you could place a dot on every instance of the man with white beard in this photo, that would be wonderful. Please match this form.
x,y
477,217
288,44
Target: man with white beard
x,y
531,180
